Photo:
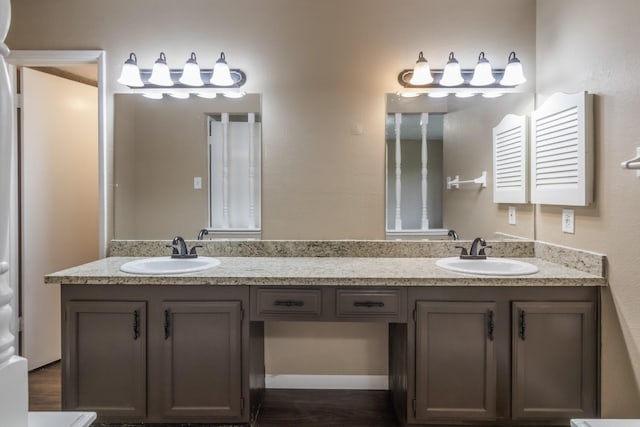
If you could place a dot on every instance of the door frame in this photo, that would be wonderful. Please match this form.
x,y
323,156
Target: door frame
x,y
52,58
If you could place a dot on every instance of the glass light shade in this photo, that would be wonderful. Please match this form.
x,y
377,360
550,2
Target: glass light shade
x,y
482,75
421,72
465,94
438,94
130,75
160,74
492,94
206,95
452,75
513,74
221,73
191,73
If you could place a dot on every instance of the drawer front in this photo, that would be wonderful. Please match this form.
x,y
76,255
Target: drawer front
x,y
374,304
302,303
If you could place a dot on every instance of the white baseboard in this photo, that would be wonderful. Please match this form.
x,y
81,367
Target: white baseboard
x,y
335,382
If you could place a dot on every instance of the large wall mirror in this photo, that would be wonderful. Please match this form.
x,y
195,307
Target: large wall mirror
x,y
165,150
429,139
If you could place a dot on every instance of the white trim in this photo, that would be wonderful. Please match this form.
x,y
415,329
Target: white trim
x,y
73,57
328,382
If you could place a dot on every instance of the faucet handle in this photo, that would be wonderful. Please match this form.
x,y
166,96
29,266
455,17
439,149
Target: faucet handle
x,y
463,251
175,249
193,250
482,252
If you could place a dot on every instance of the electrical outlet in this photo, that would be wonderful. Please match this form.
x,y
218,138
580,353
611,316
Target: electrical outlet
x,y
512,215
197,183
568,221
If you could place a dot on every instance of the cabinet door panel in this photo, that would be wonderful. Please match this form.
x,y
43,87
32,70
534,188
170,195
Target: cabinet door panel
x,y
455,361
202,359
554,366
104,361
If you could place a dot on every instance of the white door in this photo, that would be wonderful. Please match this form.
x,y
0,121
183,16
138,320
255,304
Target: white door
x,y
59,199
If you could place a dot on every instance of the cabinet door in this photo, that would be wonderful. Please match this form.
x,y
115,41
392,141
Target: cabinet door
x,y
455,361
202,359
554,360
104,360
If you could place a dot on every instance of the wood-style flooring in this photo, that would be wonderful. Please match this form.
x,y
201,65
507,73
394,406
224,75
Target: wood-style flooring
x,y
309,408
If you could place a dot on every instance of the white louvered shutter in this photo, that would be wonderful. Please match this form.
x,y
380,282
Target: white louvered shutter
x,y
562,151
510,160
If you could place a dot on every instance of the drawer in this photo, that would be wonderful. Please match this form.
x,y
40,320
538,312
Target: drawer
x,y
374,304
294,303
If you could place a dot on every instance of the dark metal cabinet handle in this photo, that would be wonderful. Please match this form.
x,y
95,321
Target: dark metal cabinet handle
x,y
167,324
368,304
490,325
523,325
136,324
288,303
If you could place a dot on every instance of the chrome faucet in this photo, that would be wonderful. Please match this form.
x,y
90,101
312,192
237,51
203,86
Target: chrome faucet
x,y
452,233
202,233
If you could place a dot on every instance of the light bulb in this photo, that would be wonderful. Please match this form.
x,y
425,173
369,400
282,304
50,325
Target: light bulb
x,y
152,95
513,74
482,75
221,73
206,95
179,95
191,72
130,75
160,74
438,94
452,75
421,72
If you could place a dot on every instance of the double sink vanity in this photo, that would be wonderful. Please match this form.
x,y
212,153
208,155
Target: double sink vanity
x,y
182,341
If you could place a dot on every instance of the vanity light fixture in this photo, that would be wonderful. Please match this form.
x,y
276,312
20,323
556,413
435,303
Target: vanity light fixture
x,y
130,75
161,75
453,78
513,74
452,75
205,83
482,74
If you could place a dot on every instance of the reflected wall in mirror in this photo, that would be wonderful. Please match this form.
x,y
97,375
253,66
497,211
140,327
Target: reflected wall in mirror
x,y
160,149
459,142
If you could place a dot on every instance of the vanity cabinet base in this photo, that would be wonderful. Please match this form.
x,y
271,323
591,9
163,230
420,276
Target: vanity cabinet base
x,y
153,354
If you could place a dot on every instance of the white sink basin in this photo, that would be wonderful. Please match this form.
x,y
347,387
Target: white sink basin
x,y
168,265
489,266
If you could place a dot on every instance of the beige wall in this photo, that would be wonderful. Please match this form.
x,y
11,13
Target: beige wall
x,y
592,45
322,67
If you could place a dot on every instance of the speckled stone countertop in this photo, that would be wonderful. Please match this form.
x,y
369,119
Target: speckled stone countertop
x,y
324,271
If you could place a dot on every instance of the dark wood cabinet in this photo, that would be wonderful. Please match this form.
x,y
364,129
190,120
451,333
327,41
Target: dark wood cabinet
x,y
105,358
554,360
154,354
496,356
455,361
201,359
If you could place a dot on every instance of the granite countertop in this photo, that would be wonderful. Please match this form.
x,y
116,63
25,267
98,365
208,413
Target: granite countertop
x,y
326,271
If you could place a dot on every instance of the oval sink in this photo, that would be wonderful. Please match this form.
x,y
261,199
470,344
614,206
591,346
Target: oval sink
x,y
489,266
168,265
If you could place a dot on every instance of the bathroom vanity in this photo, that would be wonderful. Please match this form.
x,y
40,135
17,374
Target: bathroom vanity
x,y
494,350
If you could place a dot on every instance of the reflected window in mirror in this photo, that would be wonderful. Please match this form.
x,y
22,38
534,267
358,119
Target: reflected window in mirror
x,y
161,166
234,146
414,175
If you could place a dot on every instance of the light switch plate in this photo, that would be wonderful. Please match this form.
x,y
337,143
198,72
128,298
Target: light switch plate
x,y
568,221
197,183
512,215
